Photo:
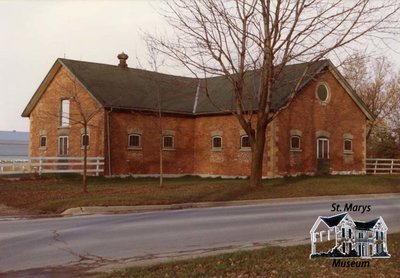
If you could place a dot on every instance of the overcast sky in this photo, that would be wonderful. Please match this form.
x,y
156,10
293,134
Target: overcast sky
x,y
33,34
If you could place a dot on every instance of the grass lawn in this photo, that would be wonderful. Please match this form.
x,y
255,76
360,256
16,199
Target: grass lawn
x,y
54,195
270,261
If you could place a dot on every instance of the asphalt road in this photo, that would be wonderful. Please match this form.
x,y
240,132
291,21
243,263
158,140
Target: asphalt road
x,y
98,240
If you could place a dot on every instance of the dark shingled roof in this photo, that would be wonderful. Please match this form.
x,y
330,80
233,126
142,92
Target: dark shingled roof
x,y
334,220
118,87
128,88
132,88
366,225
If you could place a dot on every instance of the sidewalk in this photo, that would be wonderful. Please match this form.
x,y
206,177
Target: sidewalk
x,y
145,208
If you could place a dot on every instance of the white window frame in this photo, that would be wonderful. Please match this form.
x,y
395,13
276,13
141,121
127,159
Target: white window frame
x,y
65,112
139,146
168,147
318,150
213,147
65,152
328,93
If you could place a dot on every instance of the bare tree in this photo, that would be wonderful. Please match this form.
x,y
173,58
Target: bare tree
x,y
239,38
377,82
155,62
79,115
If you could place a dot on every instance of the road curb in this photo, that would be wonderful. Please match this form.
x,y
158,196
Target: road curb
x,y
146,208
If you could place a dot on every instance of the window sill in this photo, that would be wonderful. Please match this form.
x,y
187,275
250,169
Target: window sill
x,y
169,149
348,152
42,148
82,148
135,148
296,150
216,149
245,149
64,127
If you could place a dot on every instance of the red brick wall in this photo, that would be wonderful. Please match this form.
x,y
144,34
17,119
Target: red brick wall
x,y
193,152
126,161
339,116
45,119
231,160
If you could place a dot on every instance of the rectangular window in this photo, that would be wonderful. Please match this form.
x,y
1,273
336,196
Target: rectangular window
x,y
343,232
245,142
43,142
64,120
168,142
360,235
322,148
344,247
134,141
217,143
63,145
349,233
295,143
85,140
348,145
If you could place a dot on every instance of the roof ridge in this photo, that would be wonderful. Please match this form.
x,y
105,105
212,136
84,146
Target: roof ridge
x,y
128,68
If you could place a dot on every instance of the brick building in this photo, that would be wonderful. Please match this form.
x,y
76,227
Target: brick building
x,y
322,130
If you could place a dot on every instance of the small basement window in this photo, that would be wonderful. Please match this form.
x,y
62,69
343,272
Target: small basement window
x,y
348,145
295,143
217,143
85,140
134,141
43,142
168,142
245,142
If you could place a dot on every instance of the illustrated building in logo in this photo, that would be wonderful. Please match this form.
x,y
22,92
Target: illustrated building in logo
x,y
352,238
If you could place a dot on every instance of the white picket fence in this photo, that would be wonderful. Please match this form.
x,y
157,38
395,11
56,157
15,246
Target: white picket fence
x,y
383,166
42,165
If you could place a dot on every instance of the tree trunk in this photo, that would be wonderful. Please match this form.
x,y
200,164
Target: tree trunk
x,y
84,178
257,157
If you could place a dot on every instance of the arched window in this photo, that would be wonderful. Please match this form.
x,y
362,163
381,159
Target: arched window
x,y
245,142
348,145
85,140
43,142
295,143
216,142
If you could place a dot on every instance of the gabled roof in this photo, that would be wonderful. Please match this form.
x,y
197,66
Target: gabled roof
x,y
360,225
128,88
334,220
330,221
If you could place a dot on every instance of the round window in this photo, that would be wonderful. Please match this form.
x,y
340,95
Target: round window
x,y
322,93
